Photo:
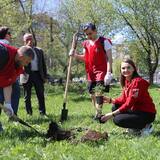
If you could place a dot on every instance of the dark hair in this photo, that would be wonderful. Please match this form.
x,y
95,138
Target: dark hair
x,y
135,73
89,26
26,51
3,31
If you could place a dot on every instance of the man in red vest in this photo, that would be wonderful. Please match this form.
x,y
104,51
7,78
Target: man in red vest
x,y
11,69
97,56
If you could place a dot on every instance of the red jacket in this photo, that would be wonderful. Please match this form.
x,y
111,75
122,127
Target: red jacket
x,y
95,60
135,97
10,72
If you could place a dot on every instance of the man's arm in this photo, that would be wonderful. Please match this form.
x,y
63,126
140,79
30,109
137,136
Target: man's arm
x,y
108,49
76,55
109,60
80,57
44,65
7,91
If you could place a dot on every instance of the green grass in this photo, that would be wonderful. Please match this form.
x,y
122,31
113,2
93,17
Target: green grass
x,y
20,143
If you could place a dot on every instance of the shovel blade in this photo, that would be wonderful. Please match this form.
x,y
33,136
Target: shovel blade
x,y
64,114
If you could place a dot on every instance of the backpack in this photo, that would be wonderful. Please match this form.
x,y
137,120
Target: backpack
x,y
102,39
4,56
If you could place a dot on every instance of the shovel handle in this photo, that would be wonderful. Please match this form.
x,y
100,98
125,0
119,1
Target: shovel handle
x,y
68,78
17,119
74,45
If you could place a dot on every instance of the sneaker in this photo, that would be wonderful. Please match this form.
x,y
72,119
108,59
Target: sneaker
x,y
133,131
43,114
1,128
147,130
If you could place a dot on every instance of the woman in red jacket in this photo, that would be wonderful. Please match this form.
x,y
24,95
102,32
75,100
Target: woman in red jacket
x,y
134,109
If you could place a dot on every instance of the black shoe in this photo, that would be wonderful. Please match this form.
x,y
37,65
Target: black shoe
x,y
42,113
29,113
11,119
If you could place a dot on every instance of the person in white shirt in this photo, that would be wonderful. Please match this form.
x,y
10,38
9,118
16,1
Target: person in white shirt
x,y
35,75
97,56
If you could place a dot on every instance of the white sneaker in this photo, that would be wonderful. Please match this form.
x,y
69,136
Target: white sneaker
x,y
147,130
133,131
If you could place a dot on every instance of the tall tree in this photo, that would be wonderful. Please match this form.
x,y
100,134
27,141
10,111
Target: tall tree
x,y
143,19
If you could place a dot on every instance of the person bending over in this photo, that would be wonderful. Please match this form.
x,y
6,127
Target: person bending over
x,y
12,61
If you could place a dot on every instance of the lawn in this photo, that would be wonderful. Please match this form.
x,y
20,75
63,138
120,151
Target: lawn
x,y
21,143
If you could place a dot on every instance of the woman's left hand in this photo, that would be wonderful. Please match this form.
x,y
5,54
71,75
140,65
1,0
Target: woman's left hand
x,y
106,99
106,117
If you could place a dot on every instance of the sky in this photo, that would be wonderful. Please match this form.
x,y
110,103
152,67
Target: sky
x,y
51,6
46,5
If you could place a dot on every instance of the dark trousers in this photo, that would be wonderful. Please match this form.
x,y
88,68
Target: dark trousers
x,y
15,96
36,81
131,119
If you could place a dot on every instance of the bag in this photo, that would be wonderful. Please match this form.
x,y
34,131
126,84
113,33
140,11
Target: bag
x,y
24,78
4,56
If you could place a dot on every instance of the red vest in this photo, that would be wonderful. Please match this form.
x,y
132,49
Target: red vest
x,y
9,73
95,60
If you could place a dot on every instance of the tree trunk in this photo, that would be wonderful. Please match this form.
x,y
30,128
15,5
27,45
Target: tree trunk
x,y
151,77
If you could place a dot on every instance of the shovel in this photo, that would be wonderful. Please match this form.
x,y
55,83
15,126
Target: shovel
x,y
17,119
64,111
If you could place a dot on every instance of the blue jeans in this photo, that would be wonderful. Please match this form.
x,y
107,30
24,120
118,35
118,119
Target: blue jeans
x,y
15,96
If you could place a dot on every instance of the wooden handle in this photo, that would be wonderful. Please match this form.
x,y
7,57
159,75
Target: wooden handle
x,y
74,45
68,78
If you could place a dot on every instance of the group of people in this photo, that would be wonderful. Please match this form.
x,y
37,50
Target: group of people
x,y
25,65
133,110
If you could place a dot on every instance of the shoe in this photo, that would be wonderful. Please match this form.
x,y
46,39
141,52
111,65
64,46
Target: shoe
x,y
1,128
133,131
11,119
42,114
147,130
29,113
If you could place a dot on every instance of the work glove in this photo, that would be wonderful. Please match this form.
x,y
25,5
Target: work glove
x,y
74,44
8,110
108,78
72,51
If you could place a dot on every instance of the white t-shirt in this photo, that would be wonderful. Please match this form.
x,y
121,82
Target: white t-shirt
x,y
4,41
34,62
107,45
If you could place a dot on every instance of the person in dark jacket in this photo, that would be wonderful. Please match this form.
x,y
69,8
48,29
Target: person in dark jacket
x,y
134,109
35,75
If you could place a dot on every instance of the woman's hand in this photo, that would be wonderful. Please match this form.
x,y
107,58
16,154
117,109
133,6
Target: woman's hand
x,y
107,100
106,117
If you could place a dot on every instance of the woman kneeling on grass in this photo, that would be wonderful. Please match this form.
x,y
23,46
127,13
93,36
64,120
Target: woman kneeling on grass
x,y
134,109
